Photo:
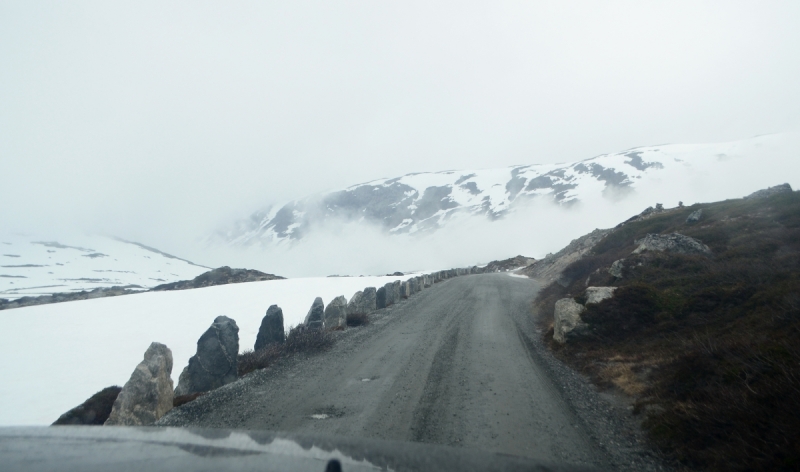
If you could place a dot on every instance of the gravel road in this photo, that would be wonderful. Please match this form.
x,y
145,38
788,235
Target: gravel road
x,y
458,364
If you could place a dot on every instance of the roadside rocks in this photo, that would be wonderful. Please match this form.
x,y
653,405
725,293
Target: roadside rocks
x,y
148,395
336,313
315,314
390,293
215,363
567,319
598,294
369,299
271,330
675,242
380,298
356,306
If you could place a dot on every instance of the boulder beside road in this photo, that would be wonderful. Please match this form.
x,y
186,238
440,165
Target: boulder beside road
x,y
216,361
148,395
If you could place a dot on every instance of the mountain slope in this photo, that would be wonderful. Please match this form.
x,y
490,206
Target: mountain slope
x,y
31,266
426,202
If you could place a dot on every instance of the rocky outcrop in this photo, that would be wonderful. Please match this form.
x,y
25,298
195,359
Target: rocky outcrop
x,y
694,217
336,313
506,264
567,319
271,330
215,363
221,276
551,267
675,243
598,294
315,315
148,395
94,411
768,192
616,268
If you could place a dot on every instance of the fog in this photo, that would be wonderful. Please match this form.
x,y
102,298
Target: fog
x,y
162,121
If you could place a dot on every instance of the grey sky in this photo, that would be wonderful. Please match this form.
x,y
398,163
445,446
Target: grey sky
x,y
160,120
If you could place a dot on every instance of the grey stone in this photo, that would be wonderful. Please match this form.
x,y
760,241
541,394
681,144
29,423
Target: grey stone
x,y
370,300
356,305
768,192
567,319
695,216
147,395
674,242
389,292
271,330
336,313
616,268
215,363
315,314
380,298
397,296
598,294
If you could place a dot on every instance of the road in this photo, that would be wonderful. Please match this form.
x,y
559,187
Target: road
x,y
451,365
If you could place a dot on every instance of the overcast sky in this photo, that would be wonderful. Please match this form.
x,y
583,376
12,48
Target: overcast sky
x,y
158,120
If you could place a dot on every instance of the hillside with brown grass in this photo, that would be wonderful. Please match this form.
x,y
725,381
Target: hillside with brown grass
x,y
706,345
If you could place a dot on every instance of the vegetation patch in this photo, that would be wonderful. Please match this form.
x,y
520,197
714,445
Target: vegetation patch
x,y
299,340
706,345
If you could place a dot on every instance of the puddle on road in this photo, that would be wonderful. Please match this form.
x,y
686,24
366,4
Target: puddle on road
x,y
327,412
320,416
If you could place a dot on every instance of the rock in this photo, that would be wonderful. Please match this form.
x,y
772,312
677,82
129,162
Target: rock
x,y
674,242
315,314
598,294
768,192
370,300
336,313
148,395
380,298
389,292
396,285
94,411
616,268
271,330
567,319
363,303
404,289
220,276
695,216
215,363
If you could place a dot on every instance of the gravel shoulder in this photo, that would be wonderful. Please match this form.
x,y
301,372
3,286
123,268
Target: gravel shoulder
x,y
459,364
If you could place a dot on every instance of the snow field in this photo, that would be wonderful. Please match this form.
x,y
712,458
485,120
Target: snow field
x,y
55,356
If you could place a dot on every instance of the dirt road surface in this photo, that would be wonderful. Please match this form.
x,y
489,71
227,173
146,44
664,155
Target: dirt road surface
x,y
455,364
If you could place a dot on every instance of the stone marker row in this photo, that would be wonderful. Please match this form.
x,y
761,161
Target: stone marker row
x,y
149,393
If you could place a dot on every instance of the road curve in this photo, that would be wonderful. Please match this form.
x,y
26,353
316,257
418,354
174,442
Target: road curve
x,y
452,365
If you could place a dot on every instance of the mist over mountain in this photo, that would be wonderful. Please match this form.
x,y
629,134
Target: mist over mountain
x,y
429,220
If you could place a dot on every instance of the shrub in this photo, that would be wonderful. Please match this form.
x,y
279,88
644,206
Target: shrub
x,y
184,399
357,319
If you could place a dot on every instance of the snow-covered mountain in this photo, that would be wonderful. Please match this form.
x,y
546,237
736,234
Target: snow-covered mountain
x,y
425,202
31,265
